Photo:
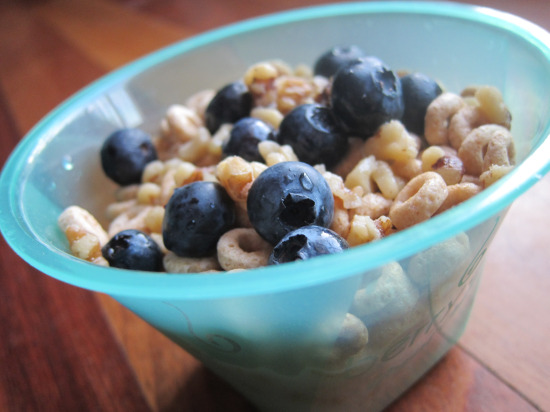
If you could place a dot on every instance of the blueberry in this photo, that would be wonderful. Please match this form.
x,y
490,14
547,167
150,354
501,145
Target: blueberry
x,y
231,103
133,249
287,196
365,95
314,135
125,153
245,136
418,92
334,59
305,243
195,217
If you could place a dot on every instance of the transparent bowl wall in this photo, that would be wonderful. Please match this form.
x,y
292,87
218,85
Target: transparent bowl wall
x,y
276,333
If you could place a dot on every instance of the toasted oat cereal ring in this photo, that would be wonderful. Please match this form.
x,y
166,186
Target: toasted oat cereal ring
x,y
492,105
176,264
494,173
100,261
408,169
181,123
353,156
387,182
199,101
133,218
148,193
471,179
385,226
389,290
153,219
430,156
363,229
353,337
269,115
261,71
388,304
439,263
293,91
341,219
273,152
157,237
242,248
117,208
351,342
418,200
236,175
469,91
84,233
371,174
373,205
463,122
485,146
438,116
83,221
196,149
450,168
129,192
241,215
349,198
392,142
458,193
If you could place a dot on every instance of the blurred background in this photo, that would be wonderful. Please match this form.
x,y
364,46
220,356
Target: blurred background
x,y
66,349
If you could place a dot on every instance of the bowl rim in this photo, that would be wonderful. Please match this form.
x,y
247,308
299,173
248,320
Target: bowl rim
x,y
122,283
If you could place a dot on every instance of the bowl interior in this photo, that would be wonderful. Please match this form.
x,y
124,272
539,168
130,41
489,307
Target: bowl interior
x,y
57,163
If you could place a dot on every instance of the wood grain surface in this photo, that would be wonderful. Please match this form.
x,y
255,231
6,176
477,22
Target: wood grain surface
x,y
67,349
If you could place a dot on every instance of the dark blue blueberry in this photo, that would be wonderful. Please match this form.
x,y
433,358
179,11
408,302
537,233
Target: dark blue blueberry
x,y
419,91
231,103
195,217
334,59
124,155
366,95
305,243
245,136
134,250
314,135
287,196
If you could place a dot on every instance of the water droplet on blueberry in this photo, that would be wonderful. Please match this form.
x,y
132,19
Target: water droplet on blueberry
x,y
306,182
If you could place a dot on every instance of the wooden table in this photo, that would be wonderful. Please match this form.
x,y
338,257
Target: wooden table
x,y
66,349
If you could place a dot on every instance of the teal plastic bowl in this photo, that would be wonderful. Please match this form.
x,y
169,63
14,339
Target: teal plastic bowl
x,y
281,335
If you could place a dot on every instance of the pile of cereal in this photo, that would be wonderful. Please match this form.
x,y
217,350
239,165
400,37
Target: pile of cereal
x,y
287,164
